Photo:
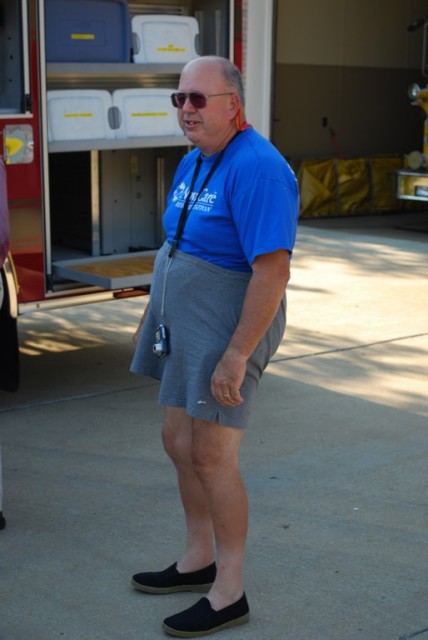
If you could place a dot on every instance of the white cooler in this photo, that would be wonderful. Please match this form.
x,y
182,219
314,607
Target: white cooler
x,y
145,112
165,38
79,115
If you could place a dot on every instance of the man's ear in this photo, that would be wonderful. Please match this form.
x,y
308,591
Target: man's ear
x,y
235,103
235,110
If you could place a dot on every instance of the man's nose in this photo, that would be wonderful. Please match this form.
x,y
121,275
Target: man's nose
x,y
188,106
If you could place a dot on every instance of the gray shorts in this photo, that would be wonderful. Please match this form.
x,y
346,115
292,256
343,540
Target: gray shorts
x,y
201,307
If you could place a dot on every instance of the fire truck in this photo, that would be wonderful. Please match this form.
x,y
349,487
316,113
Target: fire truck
x,y
412,181
88,143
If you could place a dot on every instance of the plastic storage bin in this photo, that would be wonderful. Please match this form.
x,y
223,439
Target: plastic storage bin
x,y
145,112
164,38
79,115
88,31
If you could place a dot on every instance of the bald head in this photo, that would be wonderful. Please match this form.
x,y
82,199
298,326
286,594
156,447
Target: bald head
x,y
211,126
228,71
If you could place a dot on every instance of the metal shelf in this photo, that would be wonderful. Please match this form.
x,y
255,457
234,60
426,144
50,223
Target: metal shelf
x,y
110,69
70,75
64,146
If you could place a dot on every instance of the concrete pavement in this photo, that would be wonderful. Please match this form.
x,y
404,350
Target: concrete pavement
x,y
335,461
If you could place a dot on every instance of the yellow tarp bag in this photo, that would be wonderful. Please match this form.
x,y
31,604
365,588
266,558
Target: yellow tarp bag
x,y
353,186
317,184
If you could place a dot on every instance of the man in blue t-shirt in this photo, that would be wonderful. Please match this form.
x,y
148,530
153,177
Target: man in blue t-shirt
x,y
216,316
238,215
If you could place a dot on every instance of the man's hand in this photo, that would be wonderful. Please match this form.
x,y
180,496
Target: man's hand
x,y
227,379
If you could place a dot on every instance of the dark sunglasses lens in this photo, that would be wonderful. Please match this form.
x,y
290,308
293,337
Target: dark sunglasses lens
x,y
178,100
198,100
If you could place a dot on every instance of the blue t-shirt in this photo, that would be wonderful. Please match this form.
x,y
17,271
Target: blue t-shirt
x,y
249,207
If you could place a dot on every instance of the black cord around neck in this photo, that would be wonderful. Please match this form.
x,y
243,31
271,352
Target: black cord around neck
x,y
186,210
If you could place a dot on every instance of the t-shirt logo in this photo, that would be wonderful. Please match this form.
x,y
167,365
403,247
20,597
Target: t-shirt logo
x,y
204,202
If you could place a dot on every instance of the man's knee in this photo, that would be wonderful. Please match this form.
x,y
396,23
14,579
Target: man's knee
x,y
214,450
177,433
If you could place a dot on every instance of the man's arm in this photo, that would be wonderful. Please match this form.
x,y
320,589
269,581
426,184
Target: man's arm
x,y
271,273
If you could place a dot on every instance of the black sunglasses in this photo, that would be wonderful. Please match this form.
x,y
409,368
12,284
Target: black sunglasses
x,y
197,100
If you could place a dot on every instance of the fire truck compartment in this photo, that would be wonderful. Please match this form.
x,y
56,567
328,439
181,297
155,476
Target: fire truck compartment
x,y
106,214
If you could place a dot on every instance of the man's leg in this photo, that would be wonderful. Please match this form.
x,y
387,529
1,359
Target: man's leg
x,y
215,451
214,498
177,438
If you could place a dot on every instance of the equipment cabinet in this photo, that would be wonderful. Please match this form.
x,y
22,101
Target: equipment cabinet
x,y
105,196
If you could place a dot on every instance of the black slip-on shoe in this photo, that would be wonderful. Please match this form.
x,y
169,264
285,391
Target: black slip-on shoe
x,y
202,620
170,580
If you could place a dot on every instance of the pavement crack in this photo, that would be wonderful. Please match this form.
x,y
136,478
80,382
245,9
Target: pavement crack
x,y
413,635
81,396
368,345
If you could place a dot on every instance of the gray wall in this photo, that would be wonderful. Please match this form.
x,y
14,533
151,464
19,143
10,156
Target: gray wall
x,y
344,66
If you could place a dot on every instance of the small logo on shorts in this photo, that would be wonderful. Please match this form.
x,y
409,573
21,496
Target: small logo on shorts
x,y
201,402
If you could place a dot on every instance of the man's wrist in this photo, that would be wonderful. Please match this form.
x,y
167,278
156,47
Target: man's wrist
x,y
235,353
